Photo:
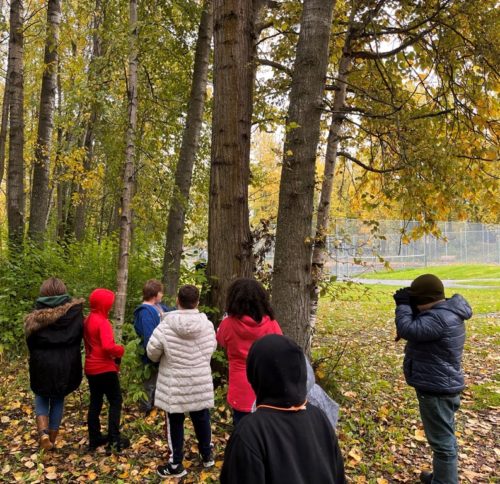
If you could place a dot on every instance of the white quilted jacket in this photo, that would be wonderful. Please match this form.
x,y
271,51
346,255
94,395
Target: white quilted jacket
x,y
183,343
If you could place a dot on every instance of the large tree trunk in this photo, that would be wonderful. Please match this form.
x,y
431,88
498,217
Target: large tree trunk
x,y
5,122
229,238
128,177
291,284
323,217
39,206
187,155
15,174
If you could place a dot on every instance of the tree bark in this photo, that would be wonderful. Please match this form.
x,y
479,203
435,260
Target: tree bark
x,y
39,205
229,238
323,217
5,122
187,155
128,177
15,174
291,285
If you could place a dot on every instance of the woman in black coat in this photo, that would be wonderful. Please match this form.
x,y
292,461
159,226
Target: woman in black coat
x,y
54,331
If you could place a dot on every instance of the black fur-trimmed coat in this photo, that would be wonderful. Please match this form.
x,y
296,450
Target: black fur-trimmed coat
x,y
54,338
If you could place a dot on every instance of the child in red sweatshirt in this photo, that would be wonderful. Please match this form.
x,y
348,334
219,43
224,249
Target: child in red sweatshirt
x,y
102,360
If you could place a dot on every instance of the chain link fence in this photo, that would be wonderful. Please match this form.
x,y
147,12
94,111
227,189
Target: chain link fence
x,y
356,246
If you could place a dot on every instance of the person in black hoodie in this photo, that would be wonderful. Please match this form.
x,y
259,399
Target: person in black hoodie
x,y
286,440
54,331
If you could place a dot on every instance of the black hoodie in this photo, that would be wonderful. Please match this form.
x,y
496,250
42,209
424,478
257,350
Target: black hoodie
x,y
290,443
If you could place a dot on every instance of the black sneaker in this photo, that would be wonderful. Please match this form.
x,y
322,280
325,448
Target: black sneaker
x,y
122,444
208,461
169,469
426,477
95,443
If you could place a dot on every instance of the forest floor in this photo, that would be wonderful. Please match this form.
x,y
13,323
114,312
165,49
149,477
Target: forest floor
x,y
357,361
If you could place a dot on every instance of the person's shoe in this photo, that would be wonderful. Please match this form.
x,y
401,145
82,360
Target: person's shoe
x,y
169,469
426,477
53,437
122,444
208,461
42,425
99,442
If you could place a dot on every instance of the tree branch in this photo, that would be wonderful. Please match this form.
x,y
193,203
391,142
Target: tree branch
x,y
366,167
276,65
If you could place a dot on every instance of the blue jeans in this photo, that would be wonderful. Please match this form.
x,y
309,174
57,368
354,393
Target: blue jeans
x,y
438,416
52,408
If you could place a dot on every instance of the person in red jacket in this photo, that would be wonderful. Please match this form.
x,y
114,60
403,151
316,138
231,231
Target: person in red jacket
x,y
102,364
249,317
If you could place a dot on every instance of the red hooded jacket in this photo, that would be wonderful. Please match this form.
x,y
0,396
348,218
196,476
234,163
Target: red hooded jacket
x,y
237,335
100,347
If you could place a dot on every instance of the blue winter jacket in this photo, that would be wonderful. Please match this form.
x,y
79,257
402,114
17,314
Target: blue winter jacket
x,y
435,343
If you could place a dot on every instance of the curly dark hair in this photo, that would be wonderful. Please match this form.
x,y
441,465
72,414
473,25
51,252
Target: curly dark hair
x,y
247,297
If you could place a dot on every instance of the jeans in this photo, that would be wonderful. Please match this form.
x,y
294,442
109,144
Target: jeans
x,y
52,407
104,384
150,388
438,416
201,424
238,415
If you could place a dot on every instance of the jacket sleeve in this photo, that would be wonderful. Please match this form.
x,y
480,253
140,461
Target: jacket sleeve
x,y
425,327
145,324
154,348
108,341
222,333
241,464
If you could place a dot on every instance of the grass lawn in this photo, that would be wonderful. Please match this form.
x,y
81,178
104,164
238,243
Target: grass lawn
x,y
453,272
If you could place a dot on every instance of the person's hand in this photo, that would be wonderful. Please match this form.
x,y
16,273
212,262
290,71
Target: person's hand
x,y
401,296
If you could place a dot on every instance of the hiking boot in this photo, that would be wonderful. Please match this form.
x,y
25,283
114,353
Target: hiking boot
x,y
426,477
169,469
42,425
99,442
122,444
208,461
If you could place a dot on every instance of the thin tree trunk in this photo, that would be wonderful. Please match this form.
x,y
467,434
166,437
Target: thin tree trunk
x,y
39,206
128,177
323,217
187,155
5,122
292,280
88,143
229,238
15,174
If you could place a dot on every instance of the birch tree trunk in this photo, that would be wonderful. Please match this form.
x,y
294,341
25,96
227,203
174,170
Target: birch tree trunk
x,y
187,155
229,238
128,177
15,174
291,285
39,205
323,217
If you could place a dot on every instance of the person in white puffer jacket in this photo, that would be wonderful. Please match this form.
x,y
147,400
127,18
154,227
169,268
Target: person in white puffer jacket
x,y
183,343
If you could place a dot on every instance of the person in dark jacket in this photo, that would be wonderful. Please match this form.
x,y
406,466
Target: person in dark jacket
x,y
54,331
435,335
147,317
286,440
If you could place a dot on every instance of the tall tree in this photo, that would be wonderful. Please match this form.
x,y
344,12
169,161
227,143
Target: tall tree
x,y
4,125
128,175
187,155
292,280
15,174
39,205
229,238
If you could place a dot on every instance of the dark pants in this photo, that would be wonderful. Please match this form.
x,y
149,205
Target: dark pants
x,y
201,424
438,416
237,416
149,385
104,384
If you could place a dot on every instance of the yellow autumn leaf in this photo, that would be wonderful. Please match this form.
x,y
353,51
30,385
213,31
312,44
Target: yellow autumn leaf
x,y
420,435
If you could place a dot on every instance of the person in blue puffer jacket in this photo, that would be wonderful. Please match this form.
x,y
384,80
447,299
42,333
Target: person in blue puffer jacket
x,y
434,328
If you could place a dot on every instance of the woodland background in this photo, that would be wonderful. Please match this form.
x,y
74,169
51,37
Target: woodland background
x,y
139,137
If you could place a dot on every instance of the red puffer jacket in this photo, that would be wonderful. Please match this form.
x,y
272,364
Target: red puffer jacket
x,y
236,335
100,347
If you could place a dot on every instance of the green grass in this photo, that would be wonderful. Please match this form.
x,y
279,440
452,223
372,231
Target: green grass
x,y
486,395
454,272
